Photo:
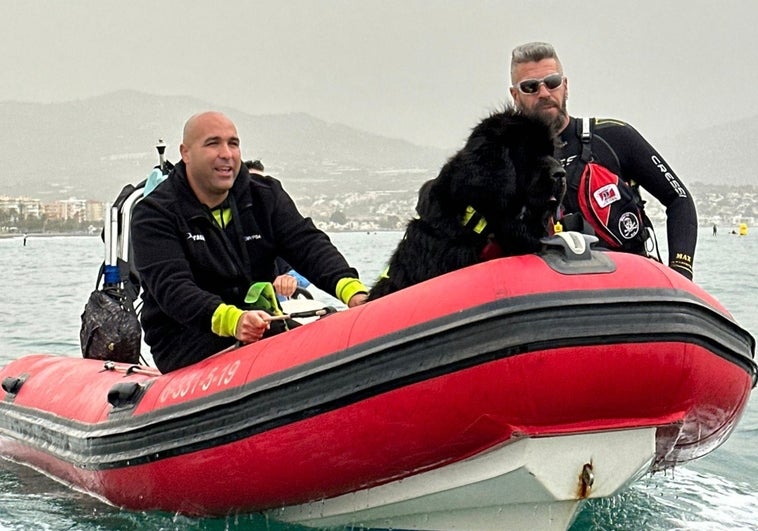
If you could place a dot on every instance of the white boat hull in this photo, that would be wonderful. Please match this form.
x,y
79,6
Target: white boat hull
x,y
528,484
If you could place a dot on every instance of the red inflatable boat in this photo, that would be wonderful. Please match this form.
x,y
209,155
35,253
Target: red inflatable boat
x,y
498,395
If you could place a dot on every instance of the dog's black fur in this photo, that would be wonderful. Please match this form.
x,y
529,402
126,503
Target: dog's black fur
x,y
507,173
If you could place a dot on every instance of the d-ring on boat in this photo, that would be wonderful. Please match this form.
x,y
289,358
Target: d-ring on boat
x,y
552,378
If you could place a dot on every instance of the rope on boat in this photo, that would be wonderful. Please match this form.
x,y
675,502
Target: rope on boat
x,y
130,369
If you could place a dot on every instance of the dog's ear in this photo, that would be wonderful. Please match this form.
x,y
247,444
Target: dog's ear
x,y
429,206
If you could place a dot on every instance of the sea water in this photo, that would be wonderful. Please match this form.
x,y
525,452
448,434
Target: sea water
x,y
45,284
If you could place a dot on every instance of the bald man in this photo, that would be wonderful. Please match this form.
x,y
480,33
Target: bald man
x,y
208,232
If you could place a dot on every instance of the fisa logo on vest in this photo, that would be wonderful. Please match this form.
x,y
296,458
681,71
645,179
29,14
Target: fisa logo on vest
x,y
606,195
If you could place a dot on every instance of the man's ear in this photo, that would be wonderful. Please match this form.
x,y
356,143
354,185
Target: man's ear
x,y
514,93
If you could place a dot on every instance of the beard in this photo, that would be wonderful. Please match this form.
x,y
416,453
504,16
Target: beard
x,y
545,111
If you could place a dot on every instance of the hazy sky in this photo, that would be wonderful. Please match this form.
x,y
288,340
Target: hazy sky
x,y
421,70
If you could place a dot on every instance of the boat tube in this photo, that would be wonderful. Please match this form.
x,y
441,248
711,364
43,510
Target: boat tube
x,y
501,394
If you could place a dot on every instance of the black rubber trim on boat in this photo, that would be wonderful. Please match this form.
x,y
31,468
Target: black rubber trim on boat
x,y
393,361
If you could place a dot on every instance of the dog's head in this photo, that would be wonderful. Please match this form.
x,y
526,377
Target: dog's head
x,y
519,150
506,172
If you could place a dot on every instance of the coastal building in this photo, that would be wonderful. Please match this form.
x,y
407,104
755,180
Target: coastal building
x,y
14,209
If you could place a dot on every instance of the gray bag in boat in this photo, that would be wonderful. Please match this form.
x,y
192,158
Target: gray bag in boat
x,y
110,324
110,328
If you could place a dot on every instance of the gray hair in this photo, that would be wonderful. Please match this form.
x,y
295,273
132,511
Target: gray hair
x,y
533,52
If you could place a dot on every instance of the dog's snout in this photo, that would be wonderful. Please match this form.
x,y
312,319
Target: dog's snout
x,y
558,179
553,170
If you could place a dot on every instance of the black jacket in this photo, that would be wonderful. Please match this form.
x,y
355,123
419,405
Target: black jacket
x,y
188,265
617,146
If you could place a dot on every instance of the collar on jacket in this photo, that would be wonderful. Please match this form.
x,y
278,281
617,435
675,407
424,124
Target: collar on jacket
x,y
188,202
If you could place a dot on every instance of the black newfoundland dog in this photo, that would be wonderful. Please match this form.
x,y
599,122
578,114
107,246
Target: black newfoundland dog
x,y
498,192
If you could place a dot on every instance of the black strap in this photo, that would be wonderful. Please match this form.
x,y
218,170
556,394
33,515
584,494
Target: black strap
x,y
584,133
570,206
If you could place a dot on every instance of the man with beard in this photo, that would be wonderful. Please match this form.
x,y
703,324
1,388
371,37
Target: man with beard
x,y
540,88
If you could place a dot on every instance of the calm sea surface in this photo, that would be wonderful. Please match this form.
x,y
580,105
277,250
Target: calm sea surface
x,y
45,284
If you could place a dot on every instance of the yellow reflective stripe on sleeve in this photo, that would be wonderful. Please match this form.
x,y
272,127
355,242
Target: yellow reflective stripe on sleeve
x,y
224,320
347,287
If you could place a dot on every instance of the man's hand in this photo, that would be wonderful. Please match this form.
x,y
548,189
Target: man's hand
x,y
357,299
251,326
285,285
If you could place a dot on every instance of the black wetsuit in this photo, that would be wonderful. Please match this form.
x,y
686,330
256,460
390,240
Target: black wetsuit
x,y
620,148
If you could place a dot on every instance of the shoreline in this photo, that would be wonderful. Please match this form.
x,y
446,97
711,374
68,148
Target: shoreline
x,y
17,235
45,235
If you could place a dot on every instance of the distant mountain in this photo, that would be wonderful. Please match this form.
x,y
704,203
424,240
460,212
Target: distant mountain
x,y
90,148
721,154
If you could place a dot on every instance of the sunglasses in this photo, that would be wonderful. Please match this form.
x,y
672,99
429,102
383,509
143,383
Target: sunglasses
x,y
532,86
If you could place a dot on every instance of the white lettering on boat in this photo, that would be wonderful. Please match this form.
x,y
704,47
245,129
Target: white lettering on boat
x,y
200,383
